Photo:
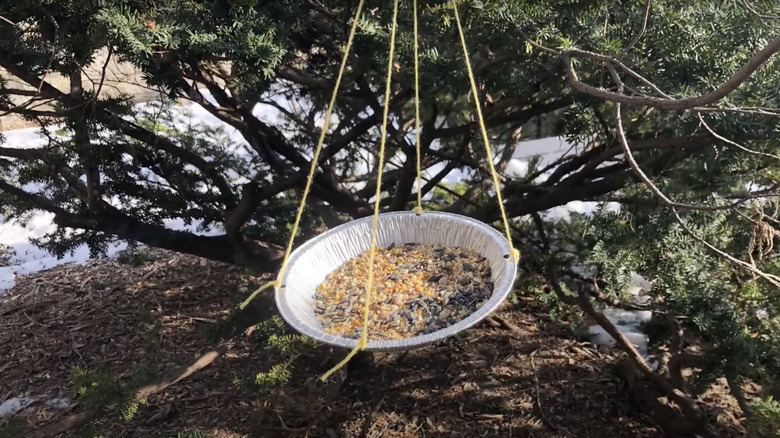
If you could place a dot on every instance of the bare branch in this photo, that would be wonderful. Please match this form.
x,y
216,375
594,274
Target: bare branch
x,y
103,71
641,174
733,143
642,29
773,279
686,403
675,205
742,74
7,20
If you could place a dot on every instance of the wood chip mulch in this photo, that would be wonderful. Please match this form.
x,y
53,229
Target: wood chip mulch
x,y
164,310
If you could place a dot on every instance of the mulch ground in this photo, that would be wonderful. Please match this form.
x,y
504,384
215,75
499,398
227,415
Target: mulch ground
x,y
141,317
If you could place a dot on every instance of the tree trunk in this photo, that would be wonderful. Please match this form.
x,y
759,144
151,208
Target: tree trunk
x,y
79,117
653,403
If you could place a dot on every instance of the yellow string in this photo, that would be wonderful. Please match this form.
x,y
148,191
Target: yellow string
x,y
370,281
419,209
314,160
256,293
515,253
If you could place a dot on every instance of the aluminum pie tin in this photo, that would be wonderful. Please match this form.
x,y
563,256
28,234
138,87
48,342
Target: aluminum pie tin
x,y
310,263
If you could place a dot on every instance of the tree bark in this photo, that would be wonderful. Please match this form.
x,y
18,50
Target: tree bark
x,y
79,118
259,255
650,401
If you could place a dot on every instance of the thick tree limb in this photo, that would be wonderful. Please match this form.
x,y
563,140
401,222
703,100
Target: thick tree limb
x,y
260,255
687,404
593,157
33,200
24,154
586,187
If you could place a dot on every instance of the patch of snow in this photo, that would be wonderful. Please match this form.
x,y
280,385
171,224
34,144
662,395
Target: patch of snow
x,y
547,149
628,322
18,404
516,168
58,403
628,318
600,337
30,259
14,405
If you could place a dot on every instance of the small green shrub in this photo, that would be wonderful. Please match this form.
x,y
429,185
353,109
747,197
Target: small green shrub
x,y
765,422
273,332
95,389
135,257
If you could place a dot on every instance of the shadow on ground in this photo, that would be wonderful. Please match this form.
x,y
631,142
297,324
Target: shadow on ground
x,y
141,317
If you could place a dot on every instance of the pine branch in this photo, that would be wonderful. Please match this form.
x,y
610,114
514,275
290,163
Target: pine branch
x,y
128,128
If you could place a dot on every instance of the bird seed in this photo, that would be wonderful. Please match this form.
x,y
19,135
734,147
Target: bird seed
x,y
417,289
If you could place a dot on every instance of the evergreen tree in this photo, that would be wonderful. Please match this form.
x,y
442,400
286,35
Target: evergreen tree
x,y
698,215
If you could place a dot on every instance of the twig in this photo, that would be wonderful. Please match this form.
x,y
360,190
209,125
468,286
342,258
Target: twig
x,y
538,46
642,30
2,18
289,429
733,143
539,399
367,425
5,397
103,74
742,110
741,75
761,17
773,279
80,418
508,325
206,320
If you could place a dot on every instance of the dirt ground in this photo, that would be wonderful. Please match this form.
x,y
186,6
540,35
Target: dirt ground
x,y
159,311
